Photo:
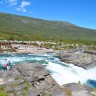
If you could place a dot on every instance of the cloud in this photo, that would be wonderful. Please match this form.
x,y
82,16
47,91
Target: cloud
x,y
12,2
21,9
23,5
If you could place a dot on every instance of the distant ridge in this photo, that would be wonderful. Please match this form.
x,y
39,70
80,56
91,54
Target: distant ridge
x,y
14,27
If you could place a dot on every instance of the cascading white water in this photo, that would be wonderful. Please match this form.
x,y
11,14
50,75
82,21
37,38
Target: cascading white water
x,y
71,74
63,73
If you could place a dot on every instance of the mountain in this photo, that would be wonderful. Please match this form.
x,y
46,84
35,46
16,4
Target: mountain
x,y
14,27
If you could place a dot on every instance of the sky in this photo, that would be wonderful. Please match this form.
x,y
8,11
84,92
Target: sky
x,y
79,12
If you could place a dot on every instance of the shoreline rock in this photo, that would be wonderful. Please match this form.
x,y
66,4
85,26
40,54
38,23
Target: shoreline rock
x,y
32,79
78,58
29,80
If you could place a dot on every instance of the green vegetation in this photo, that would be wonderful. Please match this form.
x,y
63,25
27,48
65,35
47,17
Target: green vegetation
x,y
24,90
7,50
13,27
66,45
2,92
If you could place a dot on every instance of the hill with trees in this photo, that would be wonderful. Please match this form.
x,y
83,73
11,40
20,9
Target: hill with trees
x,y
14,27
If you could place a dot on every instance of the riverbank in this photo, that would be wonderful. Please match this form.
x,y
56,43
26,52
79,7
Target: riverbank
x,y
80,58
85,59
29,79
24,48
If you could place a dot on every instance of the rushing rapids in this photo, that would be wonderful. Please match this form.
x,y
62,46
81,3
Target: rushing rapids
x,y
63,73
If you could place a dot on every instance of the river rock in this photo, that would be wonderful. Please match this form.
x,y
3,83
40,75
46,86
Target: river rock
x,y
32,79
78,58
78,90
90,52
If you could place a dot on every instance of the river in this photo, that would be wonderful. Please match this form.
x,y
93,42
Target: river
x,y
63,73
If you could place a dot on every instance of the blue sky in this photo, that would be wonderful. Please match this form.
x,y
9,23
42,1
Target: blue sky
x,y
78,12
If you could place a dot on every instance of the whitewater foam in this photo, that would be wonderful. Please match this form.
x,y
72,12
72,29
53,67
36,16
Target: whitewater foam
x,y
63,73
71,74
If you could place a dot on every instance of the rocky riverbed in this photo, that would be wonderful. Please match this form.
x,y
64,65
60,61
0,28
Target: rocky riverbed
x,y
29,79
85,59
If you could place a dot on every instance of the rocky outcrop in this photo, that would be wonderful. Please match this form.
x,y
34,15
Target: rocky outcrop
x,y
90,52
34,80
79,58
78,90
30,80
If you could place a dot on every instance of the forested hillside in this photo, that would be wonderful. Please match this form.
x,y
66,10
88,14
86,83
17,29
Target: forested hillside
x,y
13,27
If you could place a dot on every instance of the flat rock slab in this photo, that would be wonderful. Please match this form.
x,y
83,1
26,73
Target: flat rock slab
x,y
34,80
